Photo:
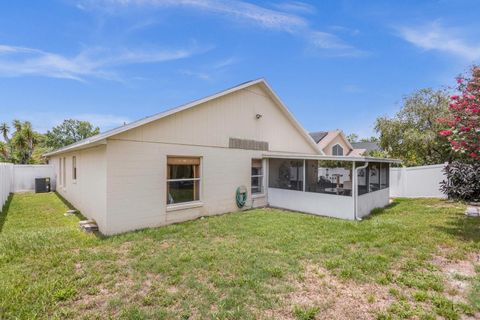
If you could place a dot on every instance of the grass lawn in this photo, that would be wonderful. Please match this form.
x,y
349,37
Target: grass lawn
x,y
415,259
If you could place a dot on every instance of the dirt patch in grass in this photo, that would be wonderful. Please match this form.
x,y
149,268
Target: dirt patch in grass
x,y
457,274
331,298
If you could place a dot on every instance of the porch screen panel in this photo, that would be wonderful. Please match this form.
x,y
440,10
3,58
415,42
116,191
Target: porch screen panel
x,y
384,175
362,178
374,176
330,177
285,174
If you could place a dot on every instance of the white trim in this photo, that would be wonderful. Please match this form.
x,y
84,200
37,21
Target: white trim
x,y
322,157
184,205
101,138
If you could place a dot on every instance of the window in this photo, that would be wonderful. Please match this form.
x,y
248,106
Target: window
x,y
337,150
74,168
60,170
64,175
285,174
332,177
183,180
257,176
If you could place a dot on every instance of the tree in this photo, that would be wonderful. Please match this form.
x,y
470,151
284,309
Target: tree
x,y
463,123
352,137
412,135
371,139
20,146
70,131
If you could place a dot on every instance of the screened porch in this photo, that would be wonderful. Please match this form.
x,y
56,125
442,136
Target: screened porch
x,y
341,187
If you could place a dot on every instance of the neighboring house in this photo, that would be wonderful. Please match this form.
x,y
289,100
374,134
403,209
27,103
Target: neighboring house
x,y
367,146
335,143
195,160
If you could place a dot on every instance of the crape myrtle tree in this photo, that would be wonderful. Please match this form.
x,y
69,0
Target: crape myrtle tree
x,y
463,133
463,122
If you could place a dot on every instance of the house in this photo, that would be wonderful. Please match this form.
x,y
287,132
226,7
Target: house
x,y
237,149
367,146
335,143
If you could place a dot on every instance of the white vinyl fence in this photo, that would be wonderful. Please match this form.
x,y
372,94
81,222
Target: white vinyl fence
x,y
24,176
6,182
21,178
417,182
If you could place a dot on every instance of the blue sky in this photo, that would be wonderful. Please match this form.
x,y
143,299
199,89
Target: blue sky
x,y
336,64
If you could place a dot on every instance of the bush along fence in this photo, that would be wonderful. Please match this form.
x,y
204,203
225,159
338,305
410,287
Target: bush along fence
x,y
462,181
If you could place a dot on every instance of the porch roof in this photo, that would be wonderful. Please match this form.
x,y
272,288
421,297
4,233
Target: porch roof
x,y
324,157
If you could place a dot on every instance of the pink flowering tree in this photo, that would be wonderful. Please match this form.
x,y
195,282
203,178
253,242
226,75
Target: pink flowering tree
x,y
463,131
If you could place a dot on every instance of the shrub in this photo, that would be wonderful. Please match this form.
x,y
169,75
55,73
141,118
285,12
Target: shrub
x,y
463,181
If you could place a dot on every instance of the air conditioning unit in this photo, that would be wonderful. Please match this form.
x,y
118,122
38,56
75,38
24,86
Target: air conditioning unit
x,y
42,185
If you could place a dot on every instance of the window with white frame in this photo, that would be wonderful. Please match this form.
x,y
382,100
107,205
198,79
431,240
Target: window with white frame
x,y
337,150
183,179
257,176
74,168
64,172
60,170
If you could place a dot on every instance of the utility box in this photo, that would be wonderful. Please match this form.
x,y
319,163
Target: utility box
x,y
42,185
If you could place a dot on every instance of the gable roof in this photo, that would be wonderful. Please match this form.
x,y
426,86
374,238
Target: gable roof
x,y
318,136
101,138
368,145
325,137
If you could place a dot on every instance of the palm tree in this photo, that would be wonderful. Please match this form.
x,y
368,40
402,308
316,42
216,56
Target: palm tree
x,y
5,129
19,147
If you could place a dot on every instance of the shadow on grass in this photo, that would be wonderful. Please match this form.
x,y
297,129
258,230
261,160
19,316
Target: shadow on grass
x,y
65,202
79,215
4,211
380,211
463,227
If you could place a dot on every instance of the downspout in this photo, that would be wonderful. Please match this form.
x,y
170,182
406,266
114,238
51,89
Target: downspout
x,y
355,191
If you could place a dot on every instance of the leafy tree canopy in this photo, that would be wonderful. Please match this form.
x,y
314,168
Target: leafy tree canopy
x,y
70,131
412,134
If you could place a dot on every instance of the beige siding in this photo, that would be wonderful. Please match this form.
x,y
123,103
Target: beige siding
x,y
137,183
233,115
88,192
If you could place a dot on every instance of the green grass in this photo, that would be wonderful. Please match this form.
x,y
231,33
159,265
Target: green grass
x,y
234,266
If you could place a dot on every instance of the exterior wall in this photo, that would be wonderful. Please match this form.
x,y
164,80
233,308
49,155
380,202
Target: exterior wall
x,y
24,176
417,182
137,159
230,116
136,184
369,201
310,202
88,192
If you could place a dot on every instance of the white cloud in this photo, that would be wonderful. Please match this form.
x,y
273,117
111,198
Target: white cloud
x,y
434,36
94,62
236,9
286,18
295,6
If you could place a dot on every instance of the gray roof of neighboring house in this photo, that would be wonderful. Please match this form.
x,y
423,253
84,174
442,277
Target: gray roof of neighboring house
x,y
318,136
368,146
